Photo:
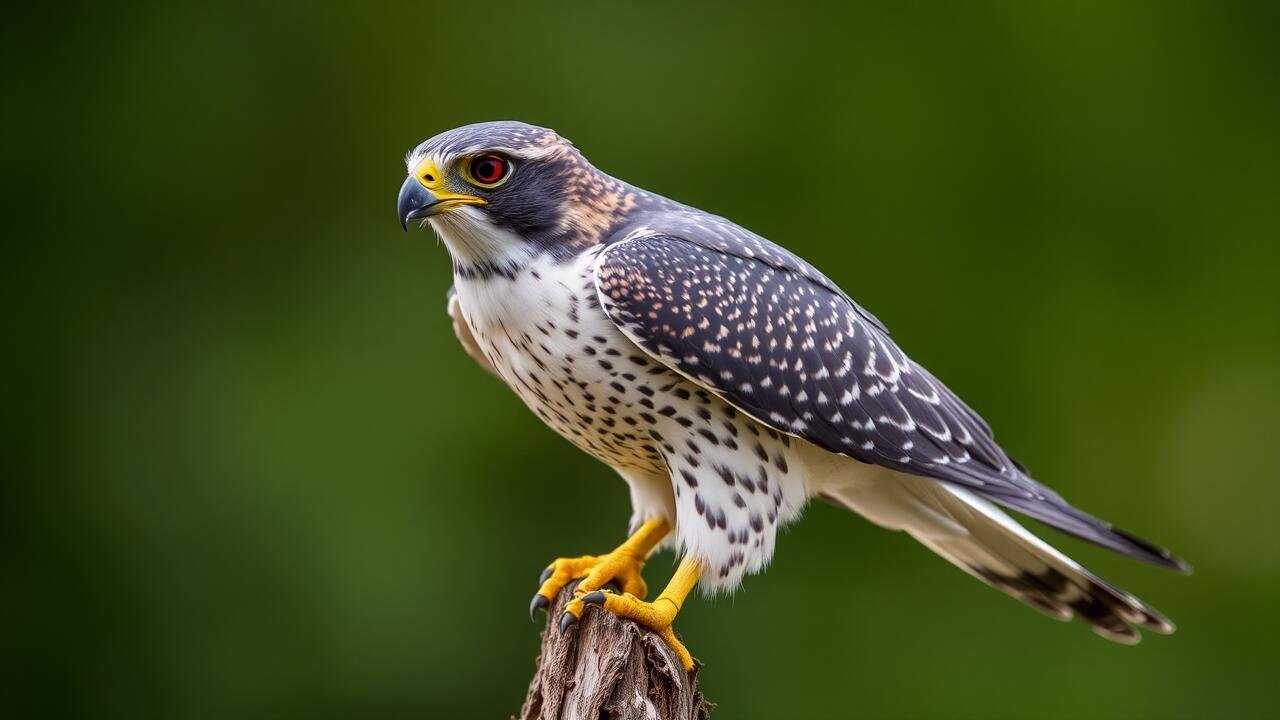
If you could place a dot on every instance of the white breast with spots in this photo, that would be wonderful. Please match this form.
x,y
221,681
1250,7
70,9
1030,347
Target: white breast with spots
x,y
544,334
726,481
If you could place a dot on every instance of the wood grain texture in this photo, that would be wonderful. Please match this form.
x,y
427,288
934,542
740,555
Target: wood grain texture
x,y
609,668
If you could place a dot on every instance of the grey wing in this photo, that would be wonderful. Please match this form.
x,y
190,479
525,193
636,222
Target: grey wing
x,y
463,332
775,338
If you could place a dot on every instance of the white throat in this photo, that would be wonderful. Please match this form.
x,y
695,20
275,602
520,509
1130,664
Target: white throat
x,y
476,243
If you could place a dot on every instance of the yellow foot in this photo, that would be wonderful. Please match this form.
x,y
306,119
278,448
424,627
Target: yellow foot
x,y
620,568
657,615
595,571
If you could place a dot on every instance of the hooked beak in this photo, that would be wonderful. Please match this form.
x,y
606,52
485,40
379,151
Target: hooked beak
x,y
417,201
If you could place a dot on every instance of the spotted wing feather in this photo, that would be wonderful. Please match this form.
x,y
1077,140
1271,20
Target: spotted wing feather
x,y
776,338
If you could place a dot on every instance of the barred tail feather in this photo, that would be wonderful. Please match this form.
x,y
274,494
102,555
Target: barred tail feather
x,y
978,537
1031,570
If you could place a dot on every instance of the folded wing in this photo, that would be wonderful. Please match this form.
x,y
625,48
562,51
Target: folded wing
x,y
774,337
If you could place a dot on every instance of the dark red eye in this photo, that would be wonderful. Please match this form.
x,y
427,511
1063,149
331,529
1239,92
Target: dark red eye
x,y
488,169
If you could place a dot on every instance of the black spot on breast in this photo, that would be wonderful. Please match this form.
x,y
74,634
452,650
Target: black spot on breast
x,y
725,474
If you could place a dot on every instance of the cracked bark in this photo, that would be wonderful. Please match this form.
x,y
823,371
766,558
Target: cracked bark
x,y
608,668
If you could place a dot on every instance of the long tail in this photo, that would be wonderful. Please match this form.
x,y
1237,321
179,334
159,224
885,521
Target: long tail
x,y
982,540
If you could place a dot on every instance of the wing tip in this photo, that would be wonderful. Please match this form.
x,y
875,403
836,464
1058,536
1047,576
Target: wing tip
x,y
1073,521
1154,554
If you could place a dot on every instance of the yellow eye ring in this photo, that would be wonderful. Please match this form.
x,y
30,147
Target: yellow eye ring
x,y
487,170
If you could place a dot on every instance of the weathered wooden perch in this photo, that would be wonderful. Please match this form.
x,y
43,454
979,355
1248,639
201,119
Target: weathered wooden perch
x,y
608,668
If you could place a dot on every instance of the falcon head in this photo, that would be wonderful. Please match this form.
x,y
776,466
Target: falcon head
x,y
495,189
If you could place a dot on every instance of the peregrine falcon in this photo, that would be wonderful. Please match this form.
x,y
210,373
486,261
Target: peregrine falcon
x,y
728,382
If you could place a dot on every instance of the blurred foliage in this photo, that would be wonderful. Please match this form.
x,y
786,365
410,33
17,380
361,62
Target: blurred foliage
x,y
251,475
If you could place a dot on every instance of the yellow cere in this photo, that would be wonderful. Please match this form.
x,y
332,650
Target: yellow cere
x,y
432,179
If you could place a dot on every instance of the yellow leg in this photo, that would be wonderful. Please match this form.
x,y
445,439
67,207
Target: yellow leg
x,y
623,566
659,614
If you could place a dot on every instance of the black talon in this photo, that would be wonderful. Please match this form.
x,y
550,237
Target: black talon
x,y
539,602
565,621
545,574
595,598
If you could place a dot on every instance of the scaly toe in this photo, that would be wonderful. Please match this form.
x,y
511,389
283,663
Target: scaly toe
x,y
618,571
559,573
656,616
669,636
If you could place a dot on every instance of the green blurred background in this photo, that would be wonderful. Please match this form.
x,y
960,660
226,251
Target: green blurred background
x,y
250,474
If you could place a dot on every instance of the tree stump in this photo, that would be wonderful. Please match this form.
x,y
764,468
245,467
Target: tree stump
x,y
608,668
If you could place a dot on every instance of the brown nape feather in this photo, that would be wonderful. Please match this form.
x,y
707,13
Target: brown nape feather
x,y
595,203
